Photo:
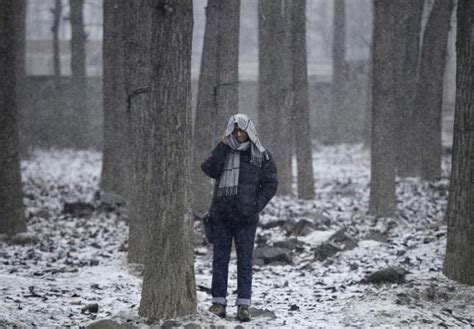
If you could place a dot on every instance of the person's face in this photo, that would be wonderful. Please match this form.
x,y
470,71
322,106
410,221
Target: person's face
x,y
240,135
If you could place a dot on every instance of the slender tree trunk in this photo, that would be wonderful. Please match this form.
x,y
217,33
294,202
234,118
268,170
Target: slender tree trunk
x,y
409,45
78,68
227,89
57,13
300,106
459,264
274,86
429,93
168,284
384,84
24,121
137,71
116,152
11,198
218,88
338,115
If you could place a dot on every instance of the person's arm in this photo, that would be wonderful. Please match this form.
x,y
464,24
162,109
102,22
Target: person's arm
x,y
214,165
268,183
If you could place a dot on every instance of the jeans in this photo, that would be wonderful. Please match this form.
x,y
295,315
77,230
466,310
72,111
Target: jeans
x,y
243,234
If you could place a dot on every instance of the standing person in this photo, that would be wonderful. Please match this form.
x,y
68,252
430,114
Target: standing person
x,y
246,180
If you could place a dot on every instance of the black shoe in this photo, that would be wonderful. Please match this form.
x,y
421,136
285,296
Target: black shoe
x,y
243,313
218,309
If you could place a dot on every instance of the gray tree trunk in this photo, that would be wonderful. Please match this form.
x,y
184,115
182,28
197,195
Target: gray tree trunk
x,y
57,13
137,79
217,97
339,118
409,47
11,198
459,264
300,106
429,92
385,70
24,121
168,284
78,68
116,160
274,86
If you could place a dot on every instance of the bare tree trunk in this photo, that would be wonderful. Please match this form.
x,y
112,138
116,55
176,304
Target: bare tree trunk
x,y
300,106
137,78
116,153
338,115
274,86
24,122
217,97
168,284
429,93
458,264
384,84
78,69
11,198
57,13
227,89
409,46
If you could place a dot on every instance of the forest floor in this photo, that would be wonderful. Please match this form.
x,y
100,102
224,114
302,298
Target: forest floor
x,y
313,259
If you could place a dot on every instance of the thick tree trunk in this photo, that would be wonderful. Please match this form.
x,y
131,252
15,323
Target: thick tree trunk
x,y
11,198
409,46
217,97
78,68
274,86
116,152
339,118
300,106
168,284
384,83
137,78
459,264
429,93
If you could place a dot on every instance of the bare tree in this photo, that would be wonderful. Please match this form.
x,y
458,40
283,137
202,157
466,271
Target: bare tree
x,y
11,198
429,92
385,71
409,47
116,154
274,85
300,106
458,264
168,284
218,91
78,69
338,115
137,79
57,13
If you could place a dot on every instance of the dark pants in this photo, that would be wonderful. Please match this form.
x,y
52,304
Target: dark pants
x,y
243,234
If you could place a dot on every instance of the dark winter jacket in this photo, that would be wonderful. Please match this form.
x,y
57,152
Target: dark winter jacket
x,y
257,185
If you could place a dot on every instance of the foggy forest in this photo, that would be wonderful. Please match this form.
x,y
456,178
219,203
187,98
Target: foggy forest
x,y
236,163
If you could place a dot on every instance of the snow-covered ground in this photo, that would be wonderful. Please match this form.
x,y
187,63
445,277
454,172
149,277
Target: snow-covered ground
x,y
77,255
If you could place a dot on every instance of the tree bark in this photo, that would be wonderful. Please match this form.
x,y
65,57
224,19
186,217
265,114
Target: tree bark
x,y
218,88
339,119
300,106
168,285
11,198
274,86
80,120
429,93
409,47
137,71
385,76
116,151
458,264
